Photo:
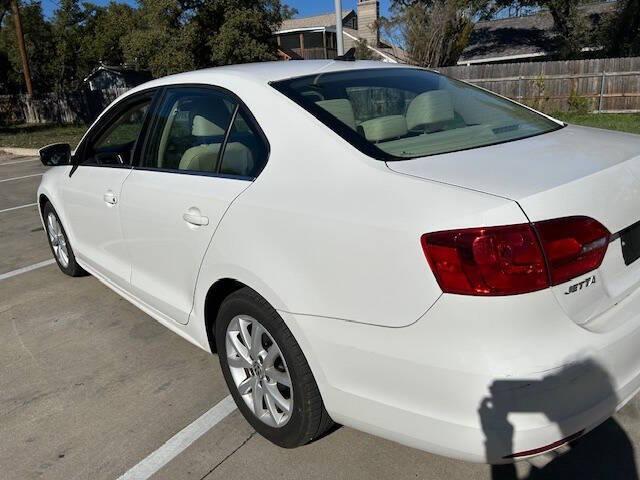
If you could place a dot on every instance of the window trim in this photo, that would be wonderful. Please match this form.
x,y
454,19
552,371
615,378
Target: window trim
x,y
153,119
368,148
105,122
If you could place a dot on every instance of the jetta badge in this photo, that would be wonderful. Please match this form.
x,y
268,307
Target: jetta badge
x,y
579,286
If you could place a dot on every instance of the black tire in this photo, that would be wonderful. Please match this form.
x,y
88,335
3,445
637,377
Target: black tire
x,y
72,268
309,419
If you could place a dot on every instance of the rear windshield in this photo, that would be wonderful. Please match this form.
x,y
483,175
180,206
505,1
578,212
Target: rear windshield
x,y
400,113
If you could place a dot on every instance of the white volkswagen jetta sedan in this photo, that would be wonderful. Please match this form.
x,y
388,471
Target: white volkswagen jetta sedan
x,y
375,245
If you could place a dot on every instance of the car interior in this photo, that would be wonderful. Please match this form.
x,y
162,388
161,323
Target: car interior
x,y
194,134
412,113
428,122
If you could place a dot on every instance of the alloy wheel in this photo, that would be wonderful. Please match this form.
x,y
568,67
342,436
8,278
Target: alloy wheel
x,y
259,371
58,240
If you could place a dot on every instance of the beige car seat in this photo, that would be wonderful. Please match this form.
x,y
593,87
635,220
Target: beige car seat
x,y
430,110
202,158
384,128
340,108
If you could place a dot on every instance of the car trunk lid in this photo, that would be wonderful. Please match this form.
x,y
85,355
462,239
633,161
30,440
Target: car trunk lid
x,y
575,171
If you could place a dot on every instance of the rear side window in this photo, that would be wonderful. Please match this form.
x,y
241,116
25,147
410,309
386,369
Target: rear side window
x,y
204,130
245,153
400,113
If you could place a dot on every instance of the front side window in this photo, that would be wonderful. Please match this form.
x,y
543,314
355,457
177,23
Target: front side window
x,y
114,144
400,113
204,130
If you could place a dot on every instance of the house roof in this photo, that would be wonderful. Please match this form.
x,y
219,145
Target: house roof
x,y
324,20
130,74
522,37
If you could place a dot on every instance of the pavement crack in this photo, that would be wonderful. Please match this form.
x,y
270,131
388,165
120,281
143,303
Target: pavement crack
x,y
213,469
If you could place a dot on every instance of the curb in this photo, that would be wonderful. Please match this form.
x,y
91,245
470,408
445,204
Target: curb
x,y
23,152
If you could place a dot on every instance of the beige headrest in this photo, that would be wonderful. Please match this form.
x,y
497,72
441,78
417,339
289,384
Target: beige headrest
x,y
237,160
430,107
204,128
340,108
384,128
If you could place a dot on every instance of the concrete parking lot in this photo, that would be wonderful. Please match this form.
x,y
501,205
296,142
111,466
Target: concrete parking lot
x,y
91,388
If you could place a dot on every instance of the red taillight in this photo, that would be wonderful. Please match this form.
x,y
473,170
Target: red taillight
x,y
573,246
514,259
487,261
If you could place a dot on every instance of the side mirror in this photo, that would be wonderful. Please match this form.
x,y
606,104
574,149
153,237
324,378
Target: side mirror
x,y
55,155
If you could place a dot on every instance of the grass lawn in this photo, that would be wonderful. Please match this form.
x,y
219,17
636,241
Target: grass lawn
x,y
36,136
625,122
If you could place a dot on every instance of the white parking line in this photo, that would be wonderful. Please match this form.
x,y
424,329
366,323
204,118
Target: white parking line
x,y
18,207
24,176
180,441
35,266
19,161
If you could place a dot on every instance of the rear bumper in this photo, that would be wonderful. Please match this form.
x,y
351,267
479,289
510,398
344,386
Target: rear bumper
x,y
477,379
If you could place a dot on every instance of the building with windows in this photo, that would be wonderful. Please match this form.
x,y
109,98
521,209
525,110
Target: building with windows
x,y
315,37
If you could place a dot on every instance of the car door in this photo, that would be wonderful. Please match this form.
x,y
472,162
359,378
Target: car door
x,y
202,151
91,193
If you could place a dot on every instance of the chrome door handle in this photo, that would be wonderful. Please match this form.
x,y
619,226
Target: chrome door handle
x,y
193,217
110,198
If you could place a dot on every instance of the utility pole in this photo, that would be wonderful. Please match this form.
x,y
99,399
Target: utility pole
x,y
339,27
23,51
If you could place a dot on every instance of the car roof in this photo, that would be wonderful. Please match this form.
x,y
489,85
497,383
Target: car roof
x,y
264,72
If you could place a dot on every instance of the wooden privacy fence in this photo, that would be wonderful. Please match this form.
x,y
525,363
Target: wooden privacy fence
x,y
75,107
609,85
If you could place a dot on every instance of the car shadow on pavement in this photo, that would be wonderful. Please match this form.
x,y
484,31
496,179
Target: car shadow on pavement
x,y
605,453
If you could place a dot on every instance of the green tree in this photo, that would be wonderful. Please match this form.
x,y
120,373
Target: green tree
x,y
238,31
39,45
104,29
174,36
363,52
163,36
569,22
622,36
163,40
67,29
288,12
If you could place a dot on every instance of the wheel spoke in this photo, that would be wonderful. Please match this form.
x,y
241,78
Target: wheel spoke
x,y
62,256
256,340
272,391
271,407
243,327
237,361
258,394
241,358
279,377
51,228
272,355
246,385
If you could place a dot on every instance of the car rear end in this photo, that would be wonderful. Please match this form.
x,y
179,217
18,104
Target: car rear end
x,y
554,301
556,297
534,340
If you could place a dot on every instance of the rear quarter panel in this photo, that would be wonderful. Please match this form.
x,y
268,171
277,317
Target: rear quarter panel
x,y
329,232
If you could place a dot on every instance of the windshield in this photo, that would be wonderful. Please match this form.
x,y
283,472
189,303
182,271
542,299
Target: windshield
x,y
400,113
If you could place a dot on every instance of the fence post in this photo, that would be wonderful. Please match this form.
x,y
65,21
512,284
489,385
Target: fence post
x,y
602,83
520,89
